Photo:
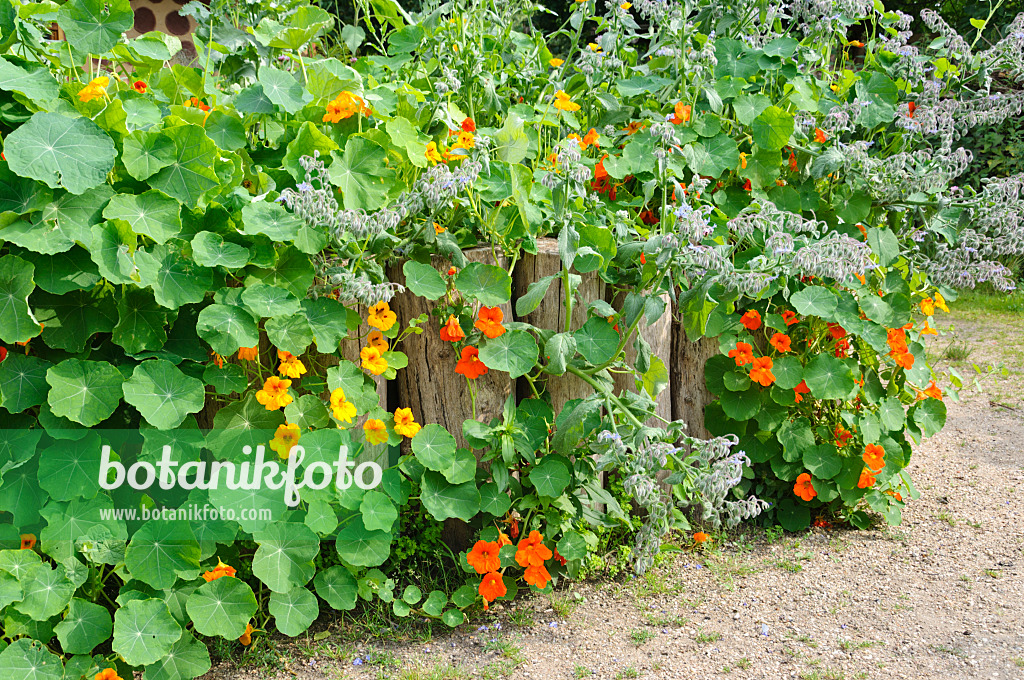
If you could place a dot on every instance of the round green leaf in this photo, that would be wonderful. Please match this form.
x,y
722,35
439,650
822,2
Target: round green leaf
x,y
84,626
142,323
187,659
741,405
514,352
930,416
222,607
16,321
174,279
788,372
226,328
308,412
272,219
85,392
152,213
283,89
362,174
551,475
360,547
64,272
71,468
823,461
22,382
493,501
412,595
453,618
189,169
61,151
144,631
28,659
434,447
211,250
379,513
163,394
47,592
263,300
572,546
161,551
828,377
435,603
815,301
95,26
772,128
337,587
284,559
597,340
293,611
793,517
487,283
423,280
444,500
290,333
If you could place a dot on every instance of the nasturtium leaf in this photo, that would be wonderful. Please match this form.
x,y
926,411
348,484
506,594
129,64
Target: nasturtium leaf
x,y
263,300
141,324
422,279
29,79
153,214
39,235
272,219
558,350
828,377
444,500
736,381
307,141
360,547
327,320
226,328
71,468
146,153
749,106
294,610
84,626
175,279
435,603
163,394
113,248
714,156
823,461
489,284
337,587
597,340
226,130
815,301
534,295
434,447
379,513
73,153
284,559
161,551
222,607
292,271
290,333
22,384
362,174
409,138
494,501
85,392
253,100
572,546
29,659
95,26
211,250
514,352
412,595
551,475
17,324
188,658
772,128
793,517
22,195
930,416
796,438
741,405
70,320
453,618
788,372
144,631
190,174
47,592
64,272
308,412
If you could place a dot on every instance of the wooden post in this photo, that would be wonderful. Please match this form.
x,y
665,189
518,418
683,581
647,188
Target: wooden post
x,y
689,392
550,313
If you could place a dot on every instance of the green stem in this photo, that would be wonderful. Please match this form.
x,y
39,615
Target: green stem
x,y
607,394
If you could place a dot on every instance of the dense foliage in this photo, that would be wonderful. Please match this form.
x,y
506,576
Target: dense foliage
x,y
207,256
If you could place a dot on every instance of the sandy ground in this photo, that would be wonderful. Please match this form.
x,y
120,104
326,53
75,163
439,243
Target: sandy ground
x,y
941,596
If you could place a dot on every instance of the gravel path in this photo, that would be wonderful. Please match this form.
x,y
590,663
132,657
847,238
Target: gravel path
x,y
941,596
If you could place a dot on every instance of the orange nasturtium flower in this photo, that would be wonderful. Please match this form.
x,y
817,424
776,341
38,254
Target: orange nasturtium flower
x,y
345,105
555,62
867,480
564,103
537,575
911,107
432,154
743,161
701,537
492,587
274,394
781,342
928,330
96,88
928,306
372,360
220,570
931,391
375,430
843,436
376,340
285,438
626,5
799,391
197,103
452,331
381,316
789,317
743,354
792,162
28,541
855,43
484,557
343,409
591,139
489,322
751,320
405,424
531,551
248,353
874,456
681,113
290,366
503,540
246,638
140,86
940,302
819,136
470,365
803,487
107,674
468,124
761,371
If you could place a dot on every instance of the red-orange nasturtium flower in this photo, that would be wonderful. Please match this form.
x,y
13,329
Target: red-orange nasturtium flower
x,y
836,331
874,457
452,331
217,572
932,391
531,551
781,342
843,436
248,353
246,638
140,86
107,674
489,322
452,271
792,162
484,557
28,541
468,125
855,43
681,113
558,558
751,320
537,576
470,365
819,136
803,487
799,391
591,139
701,537
867,480
492,587
743,354
746,185
789,317
911,107
503,539
3,354
761,371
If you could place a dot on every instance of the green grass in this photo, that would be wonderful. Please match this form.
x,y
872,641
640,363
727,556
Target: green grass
x,y
628,672
579,671
641,636
972,301
704,638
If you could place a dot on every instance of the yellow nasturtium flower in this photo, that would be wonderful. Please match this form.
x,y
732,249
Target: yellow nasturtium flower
x,y
343,409
375,430
284,439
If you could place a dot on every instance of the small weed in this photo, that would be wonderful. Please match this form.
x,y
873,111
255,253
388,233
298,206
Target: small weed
x,y
743,663
442,671
654,583
954,651
628,672
657,621
946,517
704,638
522,618
993,573
847,645
773,534
788,565
506,648
1018,661
956,351
581,672
641,636
564,606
